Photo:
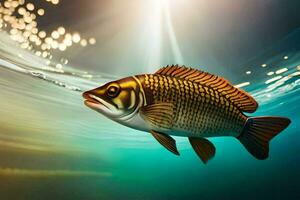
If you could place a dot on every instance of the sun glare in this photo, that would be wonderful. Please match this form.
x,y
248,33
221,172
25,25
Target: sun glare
x,y
159,19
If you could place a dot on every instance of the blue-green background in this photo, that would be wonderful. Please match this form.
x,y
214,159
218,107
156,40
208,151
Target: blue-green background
x,y
53,147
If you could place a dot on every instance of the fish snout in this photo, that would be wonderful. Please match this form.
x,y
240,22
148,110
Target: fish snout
x,y
89,97
86,95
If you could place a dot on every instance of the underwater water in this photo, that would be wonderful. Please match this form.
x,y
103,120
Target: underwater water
x,y
53,147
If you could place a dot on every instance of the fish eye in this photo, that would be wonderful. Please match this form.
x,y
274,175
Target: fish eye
x,y
113,91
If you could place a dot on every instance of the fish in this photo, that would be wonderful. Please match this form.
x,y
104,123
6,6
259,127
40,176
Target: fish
x,y
183,101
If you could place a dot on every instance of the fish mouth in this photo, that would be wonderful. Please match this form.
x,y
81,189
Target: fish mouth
x,y
89,98
94,102
100,105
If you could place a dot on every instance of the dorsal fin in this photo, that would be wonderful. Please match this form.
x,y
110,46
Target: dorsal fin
x,y
238,97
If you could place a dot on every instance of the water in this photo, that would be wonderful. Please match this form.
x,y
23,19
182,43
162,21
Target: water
x,y
53,147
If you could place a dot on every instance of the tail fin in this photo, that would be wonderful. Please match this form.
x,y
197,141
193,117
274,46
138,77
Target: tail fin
x,y
258,131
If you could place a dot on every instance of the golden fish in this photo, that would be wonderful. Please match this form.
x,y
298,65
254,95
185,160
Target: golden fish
x,y
182,101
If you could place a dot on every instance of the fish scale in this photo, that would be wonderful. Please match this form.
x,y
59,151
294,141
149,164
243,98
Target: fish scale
x,y
198,109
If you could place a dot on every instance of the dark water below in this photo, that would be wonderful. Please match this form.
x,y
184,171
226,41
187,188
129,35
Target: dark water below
x,y
53,147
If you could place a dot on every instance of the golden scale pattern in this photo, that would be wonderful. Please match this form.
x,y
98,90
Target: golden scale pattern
x,y
197,109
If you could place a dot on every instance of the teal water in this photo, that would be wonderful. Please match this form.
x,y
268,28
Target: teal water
x,y
53,147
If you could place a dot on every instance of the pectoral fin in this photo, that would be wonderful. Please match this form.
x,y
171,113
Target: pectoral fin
x,y
159,115
203,147
167,141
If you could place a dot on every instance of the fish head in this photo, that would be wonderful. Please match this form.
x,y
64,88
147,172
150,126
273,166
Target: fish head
x,y
117,99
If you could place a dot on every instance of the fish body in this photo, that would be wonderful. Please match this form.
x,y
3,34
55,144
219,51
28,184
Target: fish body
x,y
187,102
198,110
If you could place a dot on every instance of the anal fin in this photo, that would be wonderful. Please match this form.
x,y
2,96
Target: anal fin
x,y
167,141
203,147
